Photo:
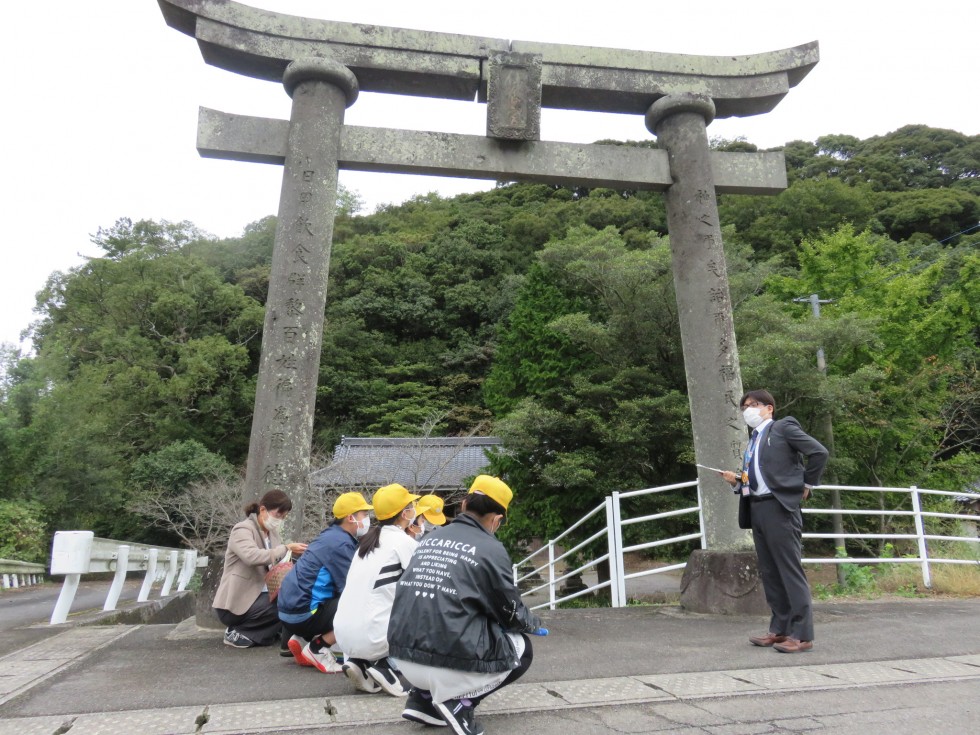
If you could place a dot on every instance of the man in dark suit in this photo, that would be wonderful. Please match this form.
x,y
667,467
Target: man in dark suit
x,y
774,482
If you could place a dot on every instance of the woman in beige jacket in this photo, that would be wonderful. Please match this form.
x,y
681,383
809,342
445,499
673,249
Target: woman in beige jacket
x,y
242,600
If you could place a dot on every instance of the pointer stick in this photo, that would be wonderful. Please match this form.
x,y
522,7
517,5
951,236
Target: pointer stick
x,y
713,469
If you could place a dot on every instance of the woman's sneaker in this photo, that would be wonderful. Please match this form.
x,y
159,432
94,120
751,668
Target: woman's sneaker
x,y
387,678
459,715
355,669
319,655
236,640
420,709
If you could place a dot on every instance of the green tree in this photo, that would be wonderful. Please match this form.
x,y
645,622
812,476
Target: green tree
x,y
532,358
163,480
22,534
589,373
136,350
777,225
931,214
917,362
178,465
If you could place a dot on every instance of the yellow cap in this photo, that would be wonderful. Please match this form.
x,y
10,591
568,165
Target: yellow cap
x,y
430,506
391,500
493,487
349,503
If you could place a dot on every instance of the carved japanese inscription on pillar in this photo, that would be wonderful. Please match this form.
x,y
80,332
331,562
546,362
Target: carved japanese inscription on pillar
x,y
282,424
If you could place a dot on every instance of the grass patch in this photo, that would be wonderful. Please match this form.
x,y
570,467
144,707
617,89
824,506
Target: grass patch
x,y
585,601
858,581
953,580
902,580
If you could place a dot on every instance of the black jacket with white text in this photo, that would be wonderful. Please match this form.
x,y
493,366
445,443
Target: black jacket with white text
x,y
456,600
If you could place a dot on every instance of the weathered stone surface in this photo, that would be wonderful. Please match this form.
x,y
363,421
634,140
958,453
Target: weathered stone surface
x,y
261,44
263,140
282,424
704,309
723,582
210,579
514,96
401,61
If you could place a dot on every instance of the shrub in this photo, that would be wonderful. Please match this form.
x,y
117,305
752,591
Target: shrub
x,y
22,533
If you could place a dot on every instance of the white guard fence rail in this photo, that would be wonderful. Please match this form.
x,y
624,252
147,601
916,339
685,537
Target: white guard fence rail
x,y
20,573
918,532
612,532
74,553
555,569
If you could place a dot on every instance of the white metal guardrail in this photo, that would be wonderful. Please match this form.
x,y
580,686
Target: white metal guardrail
x,y
74,553
15,573
612,532
918,532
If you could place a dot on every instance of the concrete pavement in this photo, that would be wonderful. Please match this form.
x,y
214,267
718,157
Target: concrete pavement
x,y
901,666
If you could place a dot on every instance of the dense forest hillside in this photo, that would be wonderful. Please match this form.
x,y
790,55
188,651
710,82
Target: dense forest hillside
x,y
543,314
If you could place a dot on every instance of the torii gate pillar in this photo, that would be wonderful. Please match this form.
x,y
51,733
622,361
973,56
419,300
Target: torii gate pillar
x,y
714,384
724,578
282,425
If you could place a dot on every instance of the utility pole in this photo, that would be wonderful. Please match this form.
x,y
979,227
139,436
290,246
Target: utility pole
x,y
828,432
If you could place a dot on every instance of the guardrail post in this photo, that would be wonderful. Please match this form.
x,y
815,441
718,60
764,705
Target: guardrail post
x,y
65,598
551,575
704,538
151,571
920,532
614,599
6,581
171,573
187,571
16,581
614,529
122,563
71,553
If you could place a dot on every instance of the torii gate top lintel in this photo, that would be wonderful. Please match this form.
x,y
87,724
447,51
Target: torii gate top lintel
x,y
260,44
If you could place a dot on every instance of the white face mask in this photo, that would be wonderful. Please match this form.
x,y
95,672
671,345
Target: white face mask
x,y
272,523
362,526
752,416
411,521
421,530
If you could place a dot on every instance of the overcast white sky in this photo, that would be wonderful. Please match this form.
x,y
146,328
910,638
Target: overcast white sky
x,y
100,102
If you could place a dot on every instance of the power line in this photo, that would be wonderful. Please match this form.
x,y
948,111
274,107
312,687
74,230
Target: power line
x,y
968,229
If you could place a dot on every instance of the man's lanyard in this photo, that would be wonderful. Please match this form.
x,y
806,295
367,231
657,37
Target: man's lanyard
x,y
747,457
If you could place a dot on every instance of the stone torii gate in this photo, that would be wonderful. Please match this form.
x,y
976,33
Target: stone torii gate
x,y
323,65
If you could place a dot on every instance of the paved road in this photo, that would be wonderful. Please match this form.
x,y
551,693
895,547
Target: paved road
x,y
909,666
27,605
24,607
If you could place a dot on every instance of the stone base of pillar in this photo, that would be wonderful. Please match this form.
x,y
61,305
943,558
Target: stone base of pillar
x,y
210,578
723,583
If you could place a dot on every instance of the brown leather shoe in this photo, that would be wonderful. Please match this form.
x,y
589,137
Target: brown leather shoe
x,y
767,640
791,645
